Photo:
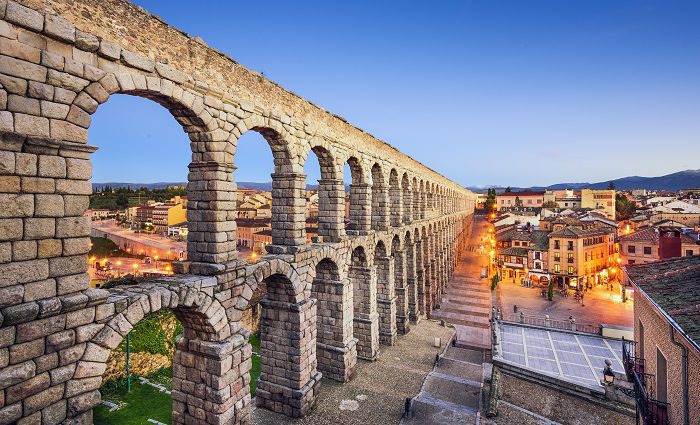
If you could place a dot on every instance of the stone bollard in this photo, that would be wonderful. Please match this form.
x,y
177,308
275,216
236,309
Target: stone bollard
x,y
522,317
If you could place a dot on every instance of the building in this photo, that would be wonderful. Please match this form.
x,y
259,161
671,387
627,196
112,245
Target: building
x,y
646,245
564,198
603,200
160,215
579,255
526,198
667,336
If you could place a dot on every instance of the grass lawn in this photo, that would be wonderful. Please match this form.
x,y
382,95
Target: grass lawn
x,y
142,403
255,368
145,402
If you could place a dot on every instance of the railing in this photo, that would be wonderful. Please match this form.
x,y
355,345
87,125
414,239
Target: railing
x,y
546,322
650,410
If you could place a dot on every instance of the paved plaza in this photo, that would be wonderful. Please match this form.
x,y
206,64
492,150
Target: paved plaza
x,y
376,393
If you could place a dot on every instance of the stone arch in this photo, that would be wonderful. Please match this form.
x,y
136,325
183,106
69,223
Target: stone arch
x,y
380,199
407,196
396,204
420,271
331,192
335,344
289,378
411,277
206,334
364,288
294,290
416,199
386,297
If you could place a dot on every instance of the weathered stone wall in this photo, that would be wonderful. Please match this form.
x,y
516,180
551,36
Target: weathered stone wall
x,y
60,60
657,337
556,403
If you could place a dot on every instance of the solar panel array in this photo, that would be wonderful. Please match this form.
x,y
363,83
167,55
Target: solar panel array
x,y
573,357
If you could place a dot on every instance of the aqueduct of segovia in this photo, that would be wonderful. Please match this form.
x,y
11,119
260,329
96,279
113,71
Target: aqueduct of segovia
x,y
327,303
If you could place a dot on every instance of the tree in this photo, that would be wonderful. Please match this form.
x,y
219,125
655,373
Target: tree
x,y
624,207
550,204
550,291
611,186
509,189
494,281
518,201
490,200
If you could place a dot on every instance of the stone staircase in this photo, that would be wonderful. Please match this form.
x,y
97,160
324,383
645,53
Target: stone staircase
x,y
452,392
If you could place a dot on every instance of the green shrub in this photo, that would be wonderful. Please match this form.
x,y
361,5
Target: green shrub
x,y
494,281
550,291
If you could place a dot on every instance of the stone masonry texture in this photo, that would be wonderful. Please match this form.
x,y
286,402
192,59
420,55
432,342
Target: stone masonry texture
x,y
326,305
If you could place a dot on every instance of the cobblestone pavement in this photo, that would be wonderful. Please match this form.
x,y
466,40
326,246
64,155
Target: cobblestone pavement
x,y
466,302
376,393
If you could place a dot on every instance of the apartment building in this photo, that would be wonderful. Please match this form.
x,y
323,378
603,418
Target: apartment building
x,y
526,198
602,200
580,255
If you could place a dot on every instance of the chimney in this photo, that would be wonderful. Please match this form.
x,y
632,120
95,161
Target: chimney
x,y
669,242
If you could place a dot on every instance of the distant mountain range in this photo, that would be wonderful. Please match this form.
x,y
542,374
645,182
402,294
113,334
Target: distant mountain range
x,y
687,179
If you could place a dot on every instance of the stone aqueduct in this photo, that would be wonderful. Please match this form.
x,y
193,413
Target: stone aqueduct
x,y
327,303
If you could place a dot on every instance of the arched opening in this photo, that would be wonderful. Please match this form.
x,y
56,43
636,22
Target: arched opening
x,y
422,200
336,346
395,198
380,199
255,166
138,209
407,199
416,199
366,319
359,202
325,197
167,338
288,375
386,296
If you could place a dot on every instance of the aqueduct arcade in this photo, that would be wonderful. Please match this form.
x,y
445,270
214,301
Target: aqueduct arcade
x,y
328,304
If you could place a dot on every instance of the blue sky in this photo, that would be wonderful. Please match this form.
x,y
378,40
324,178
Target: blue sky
x,y
491,92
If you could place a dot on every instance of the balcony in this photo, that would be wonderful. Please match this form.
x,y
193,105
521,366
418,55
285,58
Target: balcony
x,y
650,410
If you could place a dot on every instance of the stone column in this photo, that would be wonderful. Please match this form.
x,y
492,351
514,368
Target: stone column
x,y
386,300
396,205
211,381
360,209
335,344
289,381
366,319
331,209
380,207
411,284
211,212
402,320
423,205
288,211
420,279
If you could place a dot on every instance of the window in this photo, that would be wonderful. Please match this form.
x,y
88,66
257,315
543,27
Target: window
x,y
516,243
688,252
630,261
557,256
661,377
538,255
570,258
519,260
556,244
570,245
631,249
557,268
647,250
570,269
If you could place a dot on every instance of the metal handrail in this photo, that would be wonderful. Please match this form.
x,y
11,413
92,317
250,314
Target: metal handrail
x,y
546,322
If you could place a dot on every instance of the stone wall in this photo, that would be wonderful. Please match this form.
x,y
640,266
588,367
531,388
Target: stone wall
x,y
565,405
657,338
59,61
